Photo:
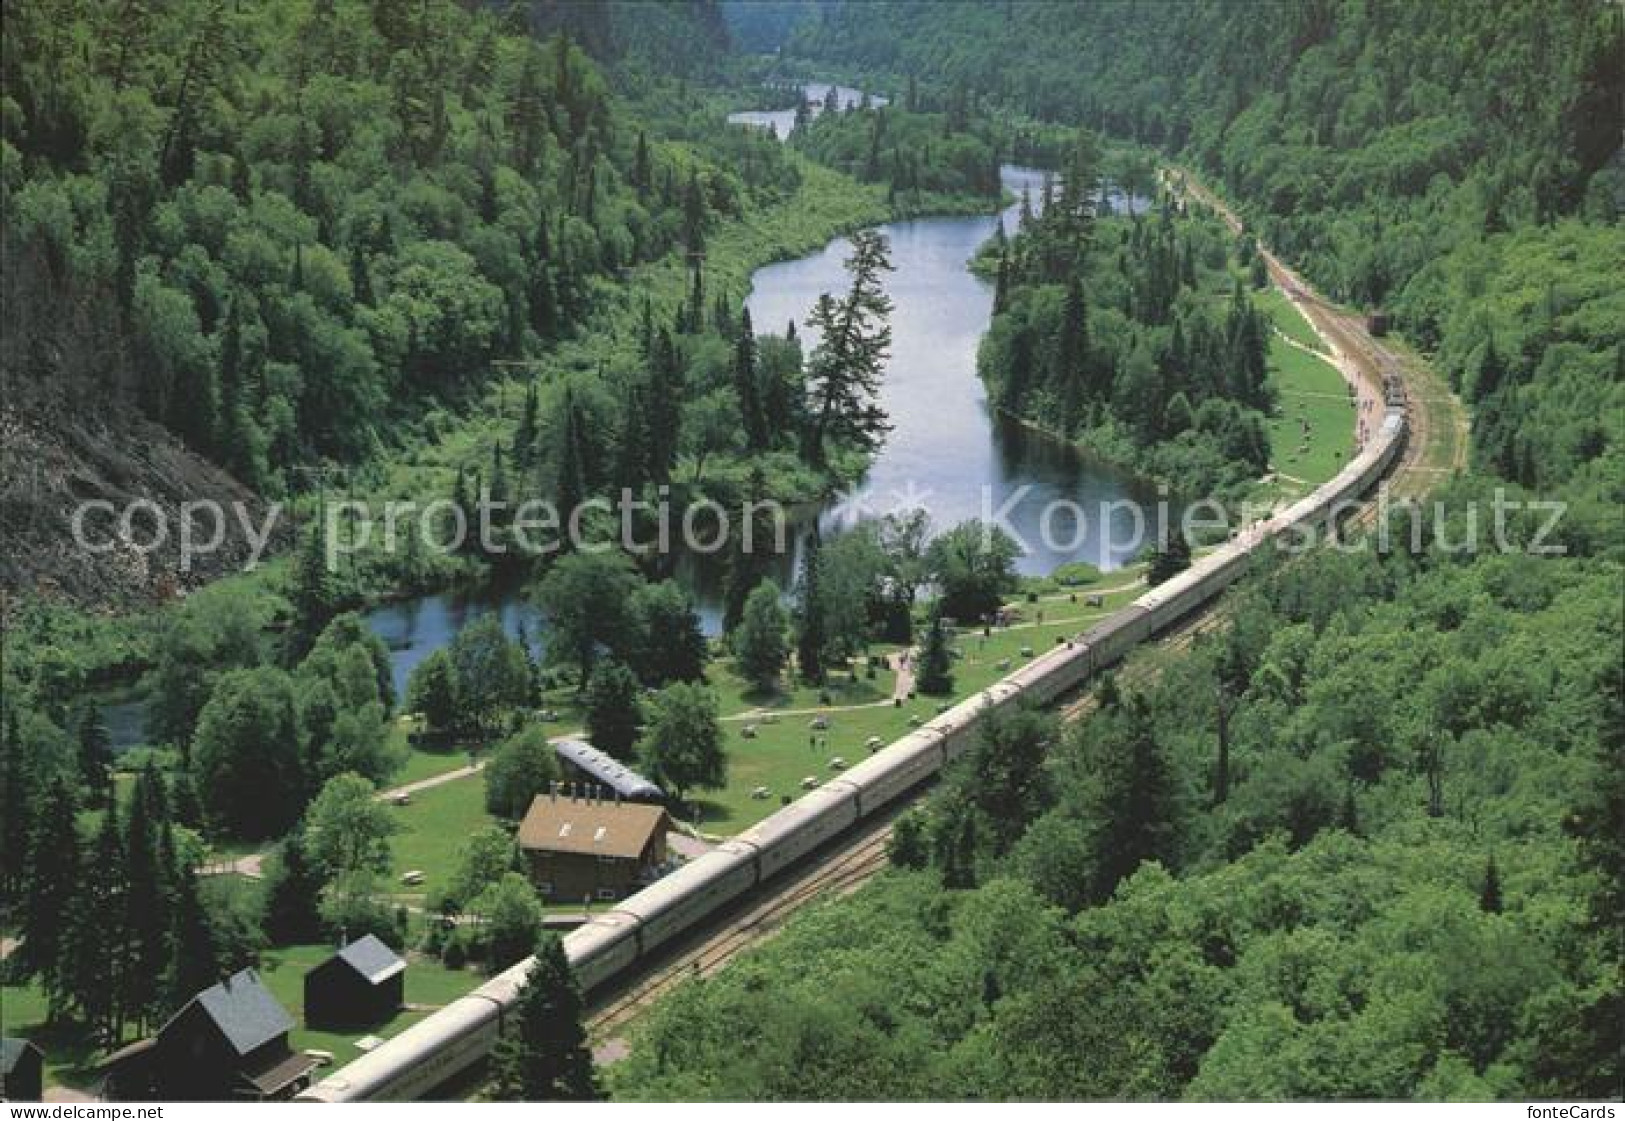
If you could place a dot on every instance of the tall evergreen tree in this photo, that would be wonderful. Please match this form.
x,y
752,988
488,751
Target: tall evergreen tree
x,y
194,958
747,387
95,950
51,881
812,633
543,1054
844,370
147,898
936,671
95,752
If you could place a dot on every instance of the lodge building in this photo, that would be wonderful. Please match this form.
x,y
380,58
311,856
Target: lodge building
x,y
582,847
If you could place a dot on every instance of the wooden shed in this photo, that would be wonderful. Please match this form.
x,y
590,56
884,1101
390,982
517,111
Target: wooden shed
x,y
229,1043
22,1071
364,983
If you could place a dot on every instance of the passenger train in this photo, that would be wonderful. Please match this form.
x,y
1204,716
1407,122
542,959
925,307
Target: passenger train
x,y
431,1052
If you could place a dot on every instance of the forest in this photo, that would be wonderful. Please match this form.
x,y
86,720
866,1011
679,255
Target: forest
x,y
1360,841
1364,842
1104,333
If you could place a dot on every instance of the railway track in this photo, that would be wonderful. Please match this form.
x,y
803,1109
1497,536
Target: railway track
x,y
842,870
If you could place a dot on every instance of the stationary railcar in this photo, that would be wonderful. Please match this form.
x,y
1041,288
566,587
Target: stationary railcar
x,y
431,1052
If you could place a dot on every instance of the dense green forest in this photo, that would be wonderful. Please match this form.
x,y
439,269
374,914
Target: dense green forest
x,y
1457,165
1361,842
1364,842
1362,845
1107,330
297,225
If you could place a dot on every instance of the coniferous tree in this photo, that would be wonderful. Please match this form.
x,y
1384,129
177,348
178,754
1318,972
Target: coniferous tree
x,y
543,1055
844,370
194,960
147,897
936,677
312,594
811,633
747,387
50,883
1489,895
1131,809
294,887
95,949
95,753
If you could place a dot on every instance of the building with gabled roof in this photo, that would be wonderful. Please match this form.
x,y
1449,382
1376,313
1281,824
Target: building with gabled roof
x,y
363,983
22,1071
581,849
229,1043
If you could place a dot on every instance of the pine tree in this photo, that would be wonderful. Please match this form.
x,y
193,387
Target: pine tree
x,y
51,879
94,951
95,753
1132,805
543,1054
147,898
844,370
936,677
745,384
1072,356
812,633
312,593
641,169
1489,895
291,895
194,959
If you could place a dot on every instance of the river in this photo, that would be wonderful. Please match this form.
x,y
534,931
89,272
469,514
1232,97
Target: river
x,y
948,452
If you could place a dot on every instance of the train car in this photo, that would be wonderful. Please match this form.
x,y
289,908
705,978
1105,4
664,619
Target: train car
x,y
424,1056
797,829
671,905
1113,637
893,771
601,948
1054,672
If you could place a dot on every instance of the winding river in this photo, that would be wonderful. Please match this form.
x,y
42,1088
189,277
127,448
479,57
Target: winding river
x,y
948,452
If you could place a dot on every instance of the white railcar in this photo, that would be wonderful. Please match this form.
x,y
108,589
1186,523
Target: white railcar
x,y
796,830
669,906
893,771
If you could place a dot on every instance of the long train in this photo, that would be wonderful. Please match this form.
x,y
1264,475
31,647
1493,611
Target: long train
x,y
447,1043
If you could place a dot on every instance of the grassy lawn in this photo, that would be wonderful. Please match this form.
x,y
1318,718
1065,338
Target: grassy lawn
x,y
784,753
1311,390
429,985
1287,319
433,829
69,1058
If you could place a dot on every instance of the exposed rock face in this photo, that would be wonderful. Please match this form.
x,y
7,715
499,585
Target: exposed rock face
x,y
54,459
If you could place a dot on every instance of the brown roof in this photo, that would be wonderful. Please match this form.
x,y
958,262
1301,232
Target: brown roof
x,y
560,824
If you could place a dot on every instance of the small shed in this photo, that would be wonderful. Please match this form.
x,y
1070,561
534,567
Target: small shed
x,y
364,983
22,1071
